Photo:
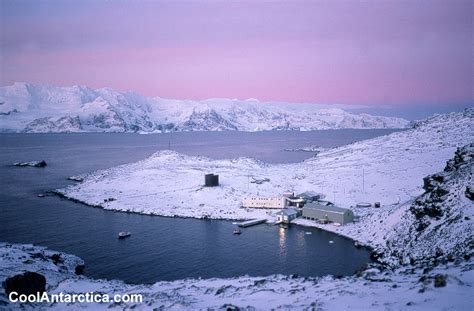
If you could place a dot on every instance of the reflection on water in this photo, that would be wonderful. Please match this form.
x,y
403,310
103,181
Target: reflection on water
x,y
282,239
300,239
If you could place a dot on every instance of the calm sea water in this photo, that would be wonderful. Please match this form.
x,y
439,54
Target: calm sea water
x,y
162,248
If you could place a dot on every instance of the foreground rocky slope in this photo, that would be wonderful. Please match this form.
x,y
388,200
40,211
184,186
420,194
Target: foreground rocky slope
x,y
445,286
33,108
439,224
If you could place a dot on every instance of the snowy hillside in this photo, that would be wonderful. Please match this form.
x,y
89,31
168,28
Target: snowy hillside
x,y
439,223
34,108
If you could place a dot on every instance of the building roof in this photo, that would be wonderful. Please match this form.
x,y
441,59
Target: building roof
x,y
309,194
327,208
287,212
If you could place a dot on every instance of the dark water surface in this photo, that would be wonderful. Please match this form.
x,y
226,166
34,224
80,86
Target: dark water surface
x,y
161,248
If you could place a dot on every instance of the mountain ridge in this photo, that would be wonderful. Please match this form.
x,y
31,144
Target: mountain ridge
x,y
26,107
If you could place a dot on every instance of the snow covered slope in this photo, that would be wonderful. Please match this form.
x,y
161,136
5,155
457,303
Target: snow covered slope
x,y
34,108
442,287
439,223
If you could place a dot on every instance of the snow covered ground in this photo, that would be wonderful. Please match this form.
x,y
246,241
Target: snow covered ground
x,y
43,108
373,289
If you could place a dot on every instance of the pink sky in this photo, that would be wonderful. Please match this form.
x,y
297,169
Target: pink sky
x,y
345,52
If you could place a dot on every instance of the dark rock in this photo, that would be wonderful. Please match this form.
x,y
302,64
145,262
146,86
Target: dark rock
x,y
426,209
438,177
429,184
27,283
439,280
438,193
259,282
38,256
56,258
41,163
230,307
222,289
427,269
469,193
375,255
422,225
80,269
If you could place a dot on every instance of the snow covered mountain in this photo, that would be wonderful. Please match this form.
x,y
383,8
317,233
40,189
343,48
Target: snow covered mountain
x,y
26,107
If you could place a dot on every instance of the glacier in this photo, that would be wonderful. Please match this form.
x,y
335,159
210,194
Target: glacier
x,y
25,107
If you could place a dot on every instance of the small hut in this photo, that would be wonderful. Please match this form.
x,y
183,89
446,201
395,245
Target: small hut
x,y
211,180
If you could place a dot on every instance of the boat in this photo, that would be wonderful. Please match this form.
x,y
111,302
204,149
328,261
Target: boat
x,y
237,231
123,235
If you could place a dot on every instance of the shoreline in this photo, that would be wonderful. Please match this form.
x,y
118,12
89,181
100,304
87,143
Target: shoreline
x,y
362,244
371,287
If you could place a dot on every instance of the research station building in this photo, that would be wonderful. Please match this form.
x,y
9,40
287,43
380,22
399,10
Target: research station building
x,y
264,202
330,213
286,215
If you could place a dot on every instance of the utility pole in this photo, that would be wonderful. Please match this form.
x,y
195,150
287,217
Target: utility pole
x,y
363,181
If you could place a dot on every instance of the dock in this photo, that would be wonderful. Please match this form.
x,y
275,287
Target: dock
x,y
251,222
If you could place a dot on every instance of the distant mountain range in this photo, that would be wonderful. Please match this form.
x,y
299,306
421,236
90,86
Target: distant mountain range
x,y
33,108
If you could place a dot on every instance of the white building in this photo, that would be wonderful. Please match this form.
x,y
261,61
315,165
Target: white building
x,y
263,202
286,215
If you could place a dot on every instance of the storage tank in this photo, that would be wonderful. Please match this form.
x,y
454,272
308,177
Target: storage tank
x,y
211,180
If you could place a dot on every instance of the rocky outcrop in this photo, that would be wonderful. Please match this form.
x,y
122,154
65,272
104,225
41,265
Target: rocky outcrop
x,y
438,225
63,124
25,284
41,163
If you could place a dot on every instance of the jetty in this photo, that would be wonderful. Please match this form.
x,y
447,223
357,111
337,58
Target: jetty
x,y
251,222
